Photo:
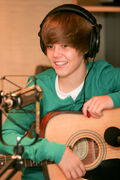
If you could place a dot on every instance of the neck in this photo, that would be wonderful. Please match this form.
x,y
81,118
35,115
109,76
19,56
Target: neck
x,y
71,82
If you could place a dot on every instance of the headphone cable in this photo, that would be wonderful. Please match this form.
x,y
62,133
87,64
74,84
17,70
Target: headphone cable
x,y
84,95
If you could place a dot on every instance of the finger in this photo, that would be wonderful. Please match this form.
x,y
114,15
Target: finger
x,y
68,175
82,167
96,114
88,114
86,107
80,172
96,110
75,174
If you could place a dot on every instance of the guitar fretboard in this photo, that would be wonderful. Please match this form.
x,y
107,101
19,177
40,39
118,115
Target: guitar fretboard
x,y
23,163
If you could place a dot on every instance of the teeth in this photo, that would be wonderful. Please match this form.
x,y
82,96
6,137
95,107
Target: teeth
x,y
60,63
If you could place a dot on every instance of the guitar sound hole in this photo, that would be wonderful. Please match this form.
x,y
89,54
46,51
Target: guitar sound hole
x,y
86,149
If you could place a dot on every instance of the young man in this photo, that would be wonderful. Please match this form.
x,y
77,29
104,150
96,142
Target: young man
x,y
69,36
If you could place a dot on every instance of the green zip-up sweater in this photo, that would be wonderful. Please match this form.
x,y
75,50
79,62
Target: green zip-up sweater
x,y
103,79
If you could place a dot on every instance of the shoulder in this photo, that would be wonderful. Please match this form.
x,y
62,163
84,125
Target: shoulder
x,y
101,63
102,66
102,71
44,78
105,73
49,73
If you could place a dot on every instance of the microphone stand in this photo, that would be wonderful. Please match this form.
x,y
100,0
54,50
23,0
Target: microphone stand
x,y
16,162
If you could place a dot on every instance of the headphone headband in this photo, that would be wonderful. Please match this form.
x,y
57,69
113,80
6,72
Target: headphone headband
x,y
95,35
72,8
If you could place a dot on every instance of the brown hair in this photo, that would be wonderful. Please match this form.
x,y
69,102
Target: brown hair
x,y
67,28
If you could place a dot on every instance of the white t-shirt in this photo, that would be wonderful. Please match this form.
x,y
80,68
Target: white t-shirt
x,y
74,93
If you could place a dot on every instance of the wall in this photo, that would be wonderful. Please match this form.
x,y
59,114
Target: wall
x,y
19,42
112,38
20,52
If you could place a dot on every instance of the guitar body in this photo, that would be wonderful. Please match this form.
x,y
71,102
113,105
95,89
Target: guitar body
x,y
85,136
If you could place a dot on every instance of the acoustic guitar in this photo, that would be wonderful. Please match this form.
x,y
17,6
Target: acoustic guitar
x,y
85,136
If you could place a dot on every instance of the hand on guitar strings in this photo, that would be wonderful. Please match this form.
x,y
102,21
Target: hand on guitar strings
x,y
96,105
71,165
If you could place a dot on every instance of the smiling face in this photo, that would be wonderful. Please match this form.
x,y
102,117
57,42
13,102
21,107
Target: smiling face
x,y
65,60
66,37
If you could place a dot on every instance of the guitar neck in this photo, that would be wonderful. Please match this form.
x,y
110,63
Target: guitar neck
x,y
23,162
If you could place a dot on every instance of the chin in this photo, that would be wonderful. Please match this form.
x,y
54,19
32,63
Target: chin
x,y
60,73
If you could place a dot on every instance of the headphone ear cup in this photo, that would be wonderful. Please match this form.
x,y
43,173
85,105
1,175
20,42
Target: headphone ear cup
x,y
42,45
94,43
41,42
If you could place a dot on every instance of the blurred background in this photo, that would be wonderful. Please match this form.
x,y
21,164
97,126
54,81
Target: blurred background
x,y
20,53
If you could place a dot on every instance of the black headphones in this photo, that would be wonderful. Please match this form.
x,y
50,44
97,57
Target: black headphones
x,y
95,34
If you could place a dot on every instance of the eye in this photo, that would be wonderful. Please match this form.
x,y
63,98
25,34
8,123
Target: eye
x,y
64,45
50,46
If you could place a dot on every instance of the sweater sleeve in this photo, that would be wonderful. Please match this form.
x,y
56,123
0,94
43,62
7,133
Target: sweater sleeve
x,y
44,150
115,98
115,89
109,81
41,150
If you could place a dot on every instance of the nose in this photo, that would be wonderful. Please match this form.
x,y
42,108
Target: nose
x,y
57,51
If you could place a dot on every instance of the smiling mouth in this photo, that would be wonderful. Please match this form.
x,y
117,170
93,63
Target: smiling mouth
x,y
60,63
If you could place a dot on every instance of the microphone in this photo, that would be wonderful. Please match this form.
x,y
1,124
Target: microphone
x,y
112,136
22,97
